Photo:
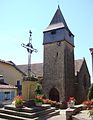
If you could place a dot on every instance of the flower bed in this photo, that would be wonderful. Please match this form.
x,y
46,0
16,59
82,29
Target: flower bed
x,y
41,99
87,105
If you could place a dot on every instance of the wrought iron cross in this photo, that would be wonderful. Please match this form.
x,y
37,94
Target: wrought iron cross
x,y
30,50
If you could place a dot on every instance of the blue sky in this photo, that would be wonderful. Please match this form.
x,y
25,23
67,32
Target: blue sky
x,y
17,17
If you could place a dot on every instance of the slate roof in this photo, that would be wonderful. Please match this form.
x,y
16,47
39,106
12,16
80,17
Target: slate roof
x,y
58,18
38,67
57,22
78,64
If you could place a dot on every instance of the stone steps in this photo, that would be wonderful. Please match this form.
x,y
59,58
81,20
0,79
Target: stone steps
x,y
36,113
26,109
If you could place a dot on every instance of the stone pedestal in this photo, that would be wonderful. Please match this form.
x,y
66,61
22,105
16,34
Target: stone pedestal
x,y
28,88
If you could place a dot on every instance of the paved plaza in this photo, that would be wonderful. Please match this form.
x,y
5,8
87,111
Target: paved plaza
x,y
62,116
83,115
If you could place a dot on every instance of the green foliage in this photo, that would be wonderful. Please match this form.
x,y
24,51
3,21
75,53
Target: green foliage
x,y
90,93
91,113
37,101
38,89
18,100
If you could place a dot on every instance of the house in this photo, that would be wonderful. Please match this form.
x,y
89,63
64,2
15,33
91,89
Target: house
x,y
12,74
7,92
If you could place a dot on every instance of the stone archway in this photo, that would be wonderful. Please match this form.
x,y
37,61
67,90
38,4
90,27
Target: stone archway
x,y
54,94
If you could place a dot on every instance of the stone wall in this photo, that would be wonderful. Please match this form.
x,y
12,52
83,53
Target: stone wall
x,y
58,71
83,83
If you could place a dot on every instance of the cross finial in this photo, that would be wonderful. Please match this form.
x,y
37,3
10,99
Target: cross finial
x,y
58,7
30,33
58,4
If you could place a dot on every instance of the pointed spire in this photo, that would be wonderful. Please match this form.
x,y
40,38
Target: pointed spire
x,y
57,21
58,18
58,7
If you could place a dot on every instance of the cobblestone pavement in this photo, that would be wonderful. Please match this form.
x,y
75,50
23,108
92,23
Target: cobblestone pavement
x,y
62,116
83,115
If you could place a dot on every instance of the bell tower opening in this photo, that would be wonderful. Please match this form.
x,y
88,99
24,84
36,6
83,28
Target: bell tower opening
x,y
54,94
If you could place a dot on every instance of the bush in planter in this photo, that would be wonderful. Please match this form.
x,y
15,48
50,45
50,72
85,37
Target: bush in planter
x,y
18,101
38,99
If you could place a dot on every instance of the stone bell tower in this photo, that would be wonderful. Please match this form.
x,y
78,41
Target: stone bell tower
x,y
58,69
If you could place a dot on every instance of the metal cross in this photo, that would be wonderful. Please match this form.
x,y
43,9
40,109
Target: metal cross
x,y
30,50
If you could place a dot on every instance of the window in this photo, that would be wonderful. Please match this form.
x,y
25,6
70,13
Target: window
x,y
53,32
7,95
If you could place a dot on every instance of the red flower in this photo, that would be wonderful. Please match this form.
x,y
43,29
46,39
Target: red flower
x,y
18,97
87,102
71,99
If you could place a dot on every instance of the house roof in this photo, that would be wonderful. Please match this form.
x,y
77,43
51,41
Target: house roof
x,y
5,86
37,68
12,64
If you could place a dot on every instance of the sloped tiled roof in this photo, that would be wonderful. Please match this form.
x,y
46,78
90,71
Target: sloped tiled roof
x,y
58,18
6,86
57,22
3,86
37,68
12,64
78,64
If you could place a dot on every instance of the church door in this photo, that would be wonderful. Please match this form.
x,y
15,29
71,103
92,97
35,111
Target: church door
x,y
54,94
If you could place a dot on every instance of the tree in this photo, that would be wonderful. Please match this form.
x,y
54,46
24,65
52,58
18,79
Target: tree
x,y
90,93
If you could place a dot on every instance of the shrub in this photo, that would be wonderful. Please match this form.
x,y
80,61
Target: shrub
x,y
18,100
90,93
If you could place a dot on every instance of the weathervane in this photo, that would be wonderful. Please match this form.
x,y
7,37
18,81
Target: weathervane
x,y
30,50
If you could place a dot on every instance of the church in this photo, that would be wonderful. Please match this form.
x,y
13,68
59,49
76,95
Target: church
x,y
62,76
59,81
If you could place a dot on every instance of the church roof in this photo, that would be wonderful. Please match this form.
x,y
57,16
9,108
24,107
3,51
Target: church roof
x,y
57,21
58,18
78,64
37,68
